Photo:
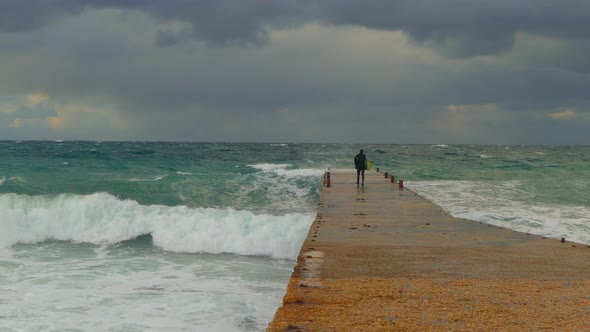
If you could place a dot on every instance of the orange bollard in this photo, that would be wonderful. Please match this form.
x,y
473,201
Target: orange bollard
x,y
401,184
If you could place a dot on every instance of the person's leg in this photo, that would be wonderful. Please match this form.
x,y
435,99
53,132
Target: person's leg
x,y
363,173
358,172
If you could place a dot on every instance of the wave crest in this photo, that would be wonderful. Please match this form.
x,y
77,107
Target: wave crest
x,y
102,218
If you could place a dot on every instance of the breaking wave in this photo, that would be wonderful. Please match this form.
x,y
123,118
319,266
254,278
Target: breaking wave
x,y
102,218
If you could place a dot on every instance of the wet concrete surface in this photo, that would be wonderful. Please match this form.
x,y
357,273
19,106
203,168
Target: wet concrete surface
x,y
378,258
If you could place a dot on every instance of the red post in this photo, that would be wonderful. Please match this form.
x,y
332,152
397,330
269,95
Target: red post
x,y
401,184
392,179
327,179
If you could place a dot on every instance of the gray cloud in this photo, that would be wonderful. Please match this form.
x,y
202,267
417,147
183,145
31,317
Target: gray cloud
x,y
19,16
460,28
35,112
253,70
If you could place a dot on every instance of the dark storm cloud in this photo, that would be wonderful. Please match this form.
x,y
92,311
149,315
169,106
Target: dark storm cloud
x,y
466,27
457,27
260,70
215,21
18,16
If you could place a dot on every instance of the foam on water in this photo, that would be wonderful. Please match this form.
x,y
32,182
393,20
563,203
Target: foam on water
x,y
507,204
266,167
102,218
61,286
276,188
300,172
281,170
253,201
153,178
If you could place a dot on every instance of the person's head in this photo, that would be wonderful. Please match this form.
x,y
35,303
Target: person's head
x,y
362,151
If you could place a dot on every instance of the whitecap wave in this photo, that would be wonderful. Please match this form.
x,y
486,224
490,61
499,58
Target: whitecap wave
x,y
102,218
281,170
269,167
150,179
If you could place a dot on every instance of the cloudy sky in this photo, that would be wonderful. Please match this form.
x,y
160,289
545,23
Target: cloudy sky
x,y
373,71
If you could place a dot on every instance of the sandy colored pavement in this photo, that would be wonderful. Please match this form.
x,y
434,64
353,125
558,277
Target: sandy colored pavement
x,y
382,259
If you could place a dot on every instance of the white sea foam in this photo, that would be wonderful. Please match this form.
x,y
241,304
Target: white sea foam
x,y
281,169
2,179
282,189
304,172
507,204
150,179
102,218
52,290
269,167
440,146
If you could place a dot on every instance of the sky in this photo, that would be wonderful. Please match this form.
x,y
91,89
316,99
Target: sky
x,y
332,71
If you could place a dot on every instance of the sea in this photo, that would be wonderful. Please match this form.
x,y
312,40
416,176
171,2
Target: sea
x,y
179,236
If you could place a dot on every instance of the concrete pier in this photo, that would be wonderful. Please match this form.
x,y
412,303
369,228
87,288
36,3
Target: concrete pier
x,y
378,258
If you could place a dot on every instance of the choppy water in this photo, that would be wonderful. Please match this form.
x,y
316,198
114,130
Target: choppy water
x,y
137,236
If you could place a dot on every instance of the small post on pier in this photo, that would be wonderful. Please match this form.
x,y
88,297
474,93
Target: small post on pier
x,y
401,184
327,179
386,175
392,179
377,169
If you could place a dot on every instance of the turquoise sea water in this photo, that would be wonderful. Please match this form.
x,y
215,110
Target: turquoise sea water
x,y
140,236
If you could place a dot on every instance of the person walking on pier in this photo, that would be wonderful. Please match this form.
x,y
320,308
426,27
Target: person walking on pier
x,y
359,164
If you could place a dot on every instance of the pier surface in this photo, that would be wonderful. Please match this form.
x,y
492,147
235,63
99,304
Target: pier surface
x,y
377,258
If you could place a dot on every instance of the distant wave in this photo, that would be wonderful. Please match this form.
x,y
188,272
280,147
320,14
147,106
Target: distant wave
x,y
102,218
2,179
154,178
